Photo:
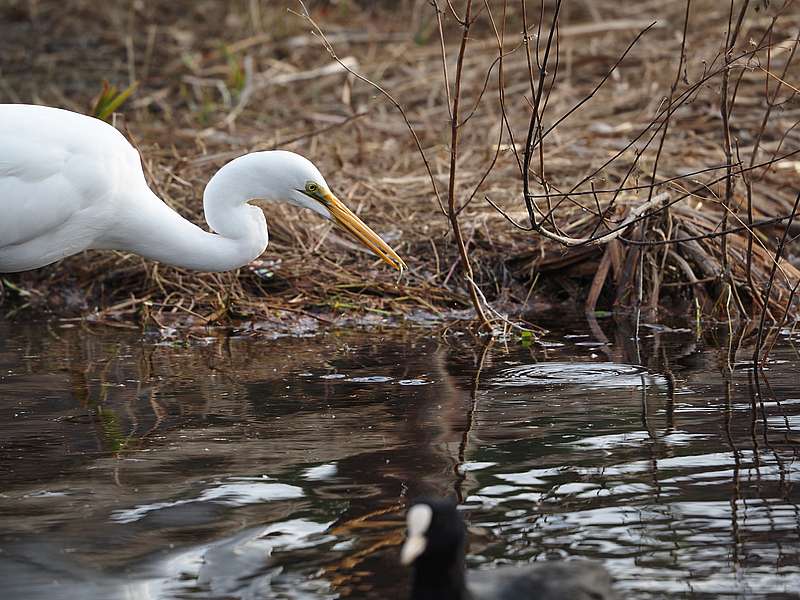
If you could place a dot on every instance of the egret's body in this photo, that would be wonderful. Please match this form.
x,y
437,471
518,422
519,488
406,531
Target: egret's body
x,y
69,183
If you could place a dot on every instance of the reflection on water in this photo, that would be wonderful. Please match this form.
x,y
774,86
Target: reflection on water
x,y
228,467
582,375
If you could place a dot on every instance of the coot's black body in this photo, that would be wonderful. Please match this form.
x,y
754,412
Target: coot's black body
x,y
561,580
436,546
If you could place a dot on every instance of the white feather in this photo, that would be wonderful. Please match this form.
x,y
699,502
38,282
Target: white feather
x,y
69,182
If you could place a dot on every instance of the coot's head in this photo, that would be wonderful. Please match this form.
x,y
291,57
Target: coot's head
x,y
435,536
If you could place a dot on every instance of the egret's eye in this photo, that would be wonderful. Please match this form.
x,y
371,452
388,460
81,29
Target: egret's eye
x,y
312,188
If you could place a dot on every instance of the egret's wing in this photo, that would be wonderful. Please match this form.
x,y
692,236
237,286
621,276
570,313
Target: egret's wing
x,y
35,198
53,165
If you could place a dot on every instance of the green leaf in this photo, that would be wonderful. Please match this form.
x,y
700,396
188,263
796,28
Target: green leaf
x,y
16,288
110,99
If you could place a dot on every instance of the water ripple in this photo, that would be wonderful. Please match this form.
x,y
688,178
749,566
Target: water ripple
x,y
586,374
228,494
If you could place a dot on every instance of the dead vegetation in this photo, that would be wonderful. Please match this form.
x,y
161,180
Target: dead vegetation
x,y
620,156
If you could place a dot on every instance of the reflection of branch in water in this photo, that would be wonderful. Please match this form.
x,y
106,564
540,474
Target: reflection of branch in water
x,y
755,382
736,493
598,334
652,450
459,472
755,400
341,572
767,506
785,478
753,421
104,418
754,379
159,411
779,406
651,432
671,521
657,449
666,369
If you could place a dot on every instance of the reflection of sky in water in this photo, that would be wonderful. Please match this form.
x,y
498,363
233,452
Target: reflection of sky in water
x,y
320,472
235,567
370,379
228,494
584,374
634,438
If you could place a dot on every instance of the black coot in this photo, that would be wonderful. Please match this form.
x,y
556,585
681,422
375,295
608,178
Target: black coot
x,y
435,546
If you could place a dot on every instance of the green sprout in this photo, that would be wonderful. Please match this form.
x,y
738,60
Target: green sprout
x,y
110,99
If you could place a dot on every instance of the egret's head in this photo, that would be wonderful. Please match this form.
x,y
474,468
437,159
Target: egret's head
x,y
294,179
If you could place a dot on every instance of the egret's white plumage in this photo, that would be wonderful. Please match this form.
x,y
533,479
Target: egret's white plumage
x,y
69,183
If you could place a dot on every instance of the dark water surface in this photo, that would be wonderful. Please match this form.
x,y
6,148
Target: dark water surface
x,y
136,467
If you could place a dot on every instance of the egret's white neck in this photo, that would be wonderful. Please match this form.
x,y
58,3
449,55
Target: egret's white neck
x,y
150,228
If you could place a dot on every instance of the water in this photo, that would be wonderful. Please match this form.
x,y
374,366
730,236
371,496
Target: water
x,y
227,466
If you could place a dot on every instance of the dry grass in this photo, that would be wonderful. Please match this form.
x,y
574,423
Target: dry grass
x,y
218,79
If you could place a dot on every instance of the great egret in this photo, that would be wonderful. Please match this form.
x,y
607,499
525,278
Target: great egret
x,y
435,545
69,182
